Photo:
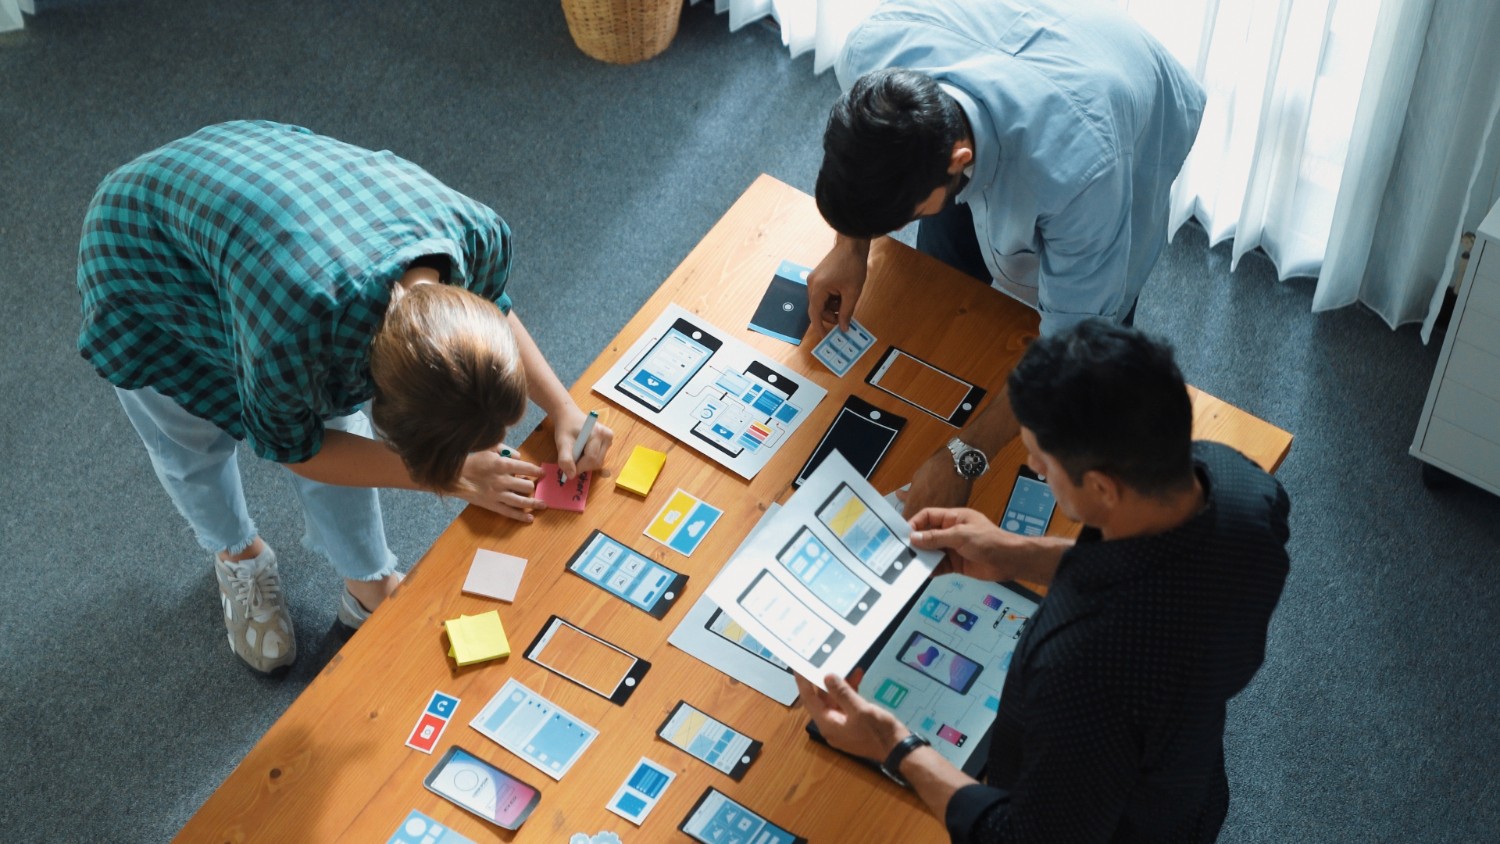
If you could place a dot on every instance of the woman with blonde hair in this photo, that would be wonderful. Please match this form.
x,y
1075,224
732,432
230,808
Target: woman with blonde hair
x,y
258,282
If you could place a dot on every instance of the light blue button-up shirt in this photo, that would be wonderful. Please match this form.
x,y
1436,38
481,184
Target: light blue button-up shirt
x,y
1081,120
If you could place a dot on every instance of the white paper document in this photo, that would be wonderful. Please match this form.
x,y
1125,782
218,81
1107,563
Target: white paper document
x,y
825,575
714,637
710,391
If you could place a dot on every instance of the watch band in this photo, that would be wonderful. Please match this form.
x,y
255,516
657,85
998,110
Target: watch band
x,y
891,767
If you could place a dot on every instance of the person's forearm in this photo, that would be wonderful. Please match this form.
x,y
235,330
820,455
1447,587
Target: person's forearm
x,y
993,428
854,245
1038,561
542,384
352,460
934,779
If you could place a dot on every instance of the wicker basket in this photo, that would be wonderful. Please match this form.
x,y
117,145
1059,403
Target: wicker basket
x,y
622,31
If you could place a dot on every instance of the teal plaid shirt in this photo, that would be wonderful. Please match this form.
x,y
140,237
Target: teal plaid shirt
x,y
242,272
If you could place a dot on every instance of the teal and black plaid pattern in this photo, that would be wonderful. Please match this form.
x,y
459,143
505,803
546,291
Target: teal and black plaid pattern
x,y
243,270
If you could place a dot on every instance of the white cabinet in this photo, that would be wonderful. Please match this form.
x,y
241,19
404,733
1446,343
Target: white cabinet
x,y
1460,428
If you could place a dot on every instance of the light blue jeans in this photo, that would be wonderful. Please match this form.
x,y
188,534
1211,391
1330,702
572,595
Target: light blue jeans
x,y
195,462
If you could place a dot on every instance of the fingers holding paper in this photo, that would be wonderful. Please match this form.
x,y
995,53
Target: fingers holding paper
x,y
979,548
849,722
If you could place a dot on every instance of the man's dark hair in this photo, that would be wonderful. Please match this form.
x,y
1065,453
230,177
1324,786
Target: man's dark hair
x,y
886,149
1102,397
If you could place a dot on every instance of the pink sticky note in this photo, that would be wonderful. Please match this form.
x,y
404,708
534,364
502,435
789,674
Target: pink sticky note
x,y
494,575
557,495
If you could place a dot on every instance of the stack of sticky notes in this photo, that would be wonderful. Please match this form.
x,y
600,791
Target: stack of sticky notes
x,y
641,470
476,638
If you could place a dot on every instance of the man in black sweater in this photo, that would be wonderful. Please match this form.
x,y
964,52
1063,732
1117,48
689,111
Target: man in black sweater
x,y
1111,722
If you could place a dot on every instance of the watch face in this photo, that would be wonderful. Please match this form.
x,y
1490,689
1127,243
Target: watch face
x,y
972,463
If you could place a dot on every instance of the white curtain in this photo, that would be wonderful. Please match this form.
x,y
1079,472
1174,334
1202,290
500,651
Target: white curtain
x,y
817,25
1352,140
1348,139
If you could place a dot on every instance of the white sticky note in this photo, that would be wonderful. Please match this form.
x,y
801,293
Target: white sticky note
x,y
494,575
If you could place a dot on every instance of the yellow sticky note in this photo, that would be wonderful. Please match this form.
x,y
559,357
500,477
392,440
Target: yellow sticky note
x,y
666,521
641,469
476,638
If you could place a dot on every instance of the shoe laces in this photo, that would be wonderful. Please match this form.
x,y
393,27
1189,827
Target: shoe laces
x,y
256,585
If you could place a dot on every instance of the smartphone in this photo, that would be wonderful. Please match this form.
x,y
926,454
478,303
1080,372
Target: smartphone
x,y
482,789
1029,511
939,662
578,655
861,432
669,364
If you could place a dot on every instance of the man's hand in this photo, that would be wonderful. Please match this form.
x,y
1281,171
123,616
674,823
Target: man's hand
x,y
976,546
565,430
834,285
505,485
937,484
848,721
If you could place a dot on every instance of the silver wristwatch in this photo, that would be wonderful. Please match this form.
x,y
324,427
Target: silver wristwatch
x,y
968,461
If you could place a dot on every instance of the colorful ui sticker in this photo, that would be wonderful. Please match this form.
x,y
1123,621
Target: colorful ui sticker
x,y
421,829
571,495
839,350
424,736
640,791
683,522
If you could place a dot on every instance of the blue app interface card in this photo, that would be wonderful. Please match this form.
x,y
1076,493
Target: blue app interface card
x,y
718,819
421,829
1030,507
622,572
640,791
534,729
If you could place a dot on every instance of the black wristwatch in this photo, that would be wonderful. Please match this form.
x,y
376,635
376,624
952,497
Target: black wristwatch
x,y
891,767
968,461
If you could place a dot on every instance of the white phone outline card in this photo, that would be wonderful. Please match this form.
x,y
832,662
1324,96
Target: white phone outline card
x,y
825,575
710,391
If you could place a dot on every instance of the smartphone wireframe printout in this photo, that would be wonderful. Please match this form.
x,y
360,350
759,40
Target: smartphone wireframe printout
x,y
710,391
925,387
825,575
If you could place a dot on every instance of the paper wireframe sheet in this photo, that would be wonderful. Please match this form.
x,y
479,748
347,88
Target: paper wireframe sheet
x,y
825,575
710,391
711,635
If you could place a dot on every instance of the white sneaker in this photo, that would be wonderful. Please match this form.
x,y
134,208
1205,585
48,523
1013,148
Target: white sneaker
x,y
260,629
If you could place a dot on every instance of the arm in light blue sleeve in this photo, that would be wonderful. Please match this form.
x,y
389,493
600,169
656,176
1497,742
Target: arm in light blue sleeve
x,y
1086,253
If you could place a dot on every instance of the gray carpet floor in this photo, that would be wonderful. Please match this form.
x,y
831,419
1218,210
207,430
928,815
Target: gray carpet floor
x,y
121,709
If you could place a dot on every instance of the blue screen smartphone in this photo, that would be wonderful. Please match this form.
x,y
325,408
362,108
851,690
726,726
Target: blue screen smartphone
x,y
1029,511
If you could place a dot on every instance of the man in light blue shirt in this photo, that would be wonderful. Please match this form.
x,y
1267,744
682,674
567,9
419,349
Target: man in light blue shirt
x,y
1036,140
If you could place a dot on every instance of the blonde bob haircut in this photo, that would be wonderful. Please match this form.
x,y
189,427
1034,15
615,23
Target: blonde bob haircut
x,y
448,380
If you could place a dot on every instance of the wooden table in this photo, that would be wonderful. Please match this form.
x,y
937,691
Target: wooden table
x,y
334,768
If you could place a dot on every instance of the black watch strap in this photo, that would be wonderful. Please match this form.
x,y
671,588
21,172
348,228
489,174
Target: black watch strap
x,y
891,767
